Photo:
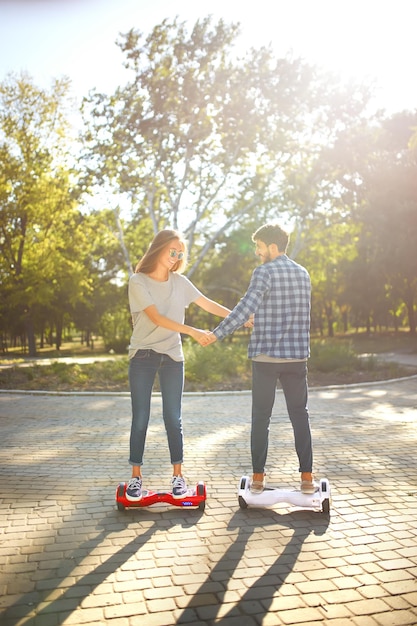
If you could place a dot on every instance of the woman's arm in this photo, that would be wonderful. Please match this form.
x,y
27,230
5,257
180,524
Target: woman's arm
x,y
160,320
211,306
217,309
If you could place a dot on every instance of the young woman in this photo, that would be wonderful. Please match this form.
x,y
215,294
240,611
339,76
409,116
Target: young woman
x,y
158,297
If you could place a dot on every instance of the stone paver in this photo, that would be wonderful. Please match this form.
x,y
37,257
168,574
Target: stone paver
x,y
68,557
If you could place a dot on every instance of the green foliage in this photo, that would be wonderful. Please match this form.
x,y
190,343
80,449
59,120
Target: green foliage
x,y
206,139
42,241
108,375
334,356
218,363
115,328
218,144
328,356
377,170
221,366
226,270
117,345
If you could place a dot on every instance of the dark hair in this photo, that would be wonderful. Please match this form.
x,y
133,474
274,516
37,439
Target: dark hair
x,y
272,233
161,240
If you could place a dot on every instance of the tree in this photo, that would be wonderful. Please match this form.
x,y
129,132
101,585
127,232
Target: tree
x,y
383,184
41,239
200,139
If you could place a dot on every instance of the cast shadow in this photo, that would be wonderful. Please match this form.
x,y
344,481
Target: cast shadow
x,y
259,596
23,612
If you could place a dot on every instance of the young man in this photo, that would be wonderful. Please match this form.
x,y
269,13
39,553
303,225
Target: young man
x,y
279,298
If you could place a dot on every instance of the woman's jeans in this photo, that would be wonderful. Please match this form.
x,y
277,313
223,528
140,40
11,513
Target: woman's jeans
x,y
293,379
143,368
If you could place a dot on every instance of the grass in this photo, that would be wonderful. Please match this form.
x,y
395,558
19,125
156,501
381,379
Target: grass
x,y
223,366
96,376
377,343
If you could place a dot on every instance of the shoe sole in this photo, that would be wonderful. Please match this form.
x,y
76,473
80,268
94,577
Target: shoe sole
x,y
133,498
257,488
308,491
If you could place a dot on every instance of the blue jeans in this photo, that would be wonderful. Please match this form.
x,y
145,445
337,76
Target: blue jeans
x,y
293,379
143,368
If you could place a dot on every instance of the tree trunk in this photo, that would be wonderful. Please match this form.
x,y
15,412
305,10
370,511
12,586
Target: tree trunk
x,y
330,321
30,334
59,327
411,316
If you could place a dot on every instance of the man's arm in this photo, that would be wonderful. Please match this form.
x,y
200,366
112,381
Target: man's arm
x,y
243,312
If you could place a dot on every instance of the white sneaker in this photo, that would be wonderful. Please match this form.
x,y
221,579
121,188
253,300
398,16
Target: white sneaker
x,y
178,486
134,489
257,486
308,485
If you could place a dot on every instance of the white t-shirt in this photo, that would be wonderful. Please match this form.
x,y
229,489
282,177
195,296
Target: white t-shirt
x,y
171,298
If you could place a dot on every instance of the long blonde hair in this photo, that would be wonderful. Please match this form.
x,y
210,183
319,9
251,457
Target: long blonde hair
x,y
149,261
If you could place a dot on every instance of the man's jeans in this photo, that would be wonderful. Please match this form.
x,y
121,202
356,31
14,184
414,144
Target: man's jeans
x,y
143,368
293,379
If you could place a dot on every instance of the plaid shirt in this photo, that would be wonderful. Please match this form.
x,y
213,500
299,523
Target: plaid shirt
x,y
279,294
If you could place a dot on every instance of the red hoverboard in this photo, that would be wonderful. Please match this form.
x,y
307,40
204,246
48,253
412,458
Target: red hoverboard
x,y
193,498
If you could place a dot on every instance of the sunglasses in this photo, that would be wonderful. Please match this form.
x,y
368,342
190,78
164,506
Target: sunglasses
x,y
173,253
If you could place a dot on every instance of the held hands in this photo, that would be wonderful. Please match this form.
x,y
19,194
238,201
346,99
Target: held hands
x,y
208,339
201,336
204,337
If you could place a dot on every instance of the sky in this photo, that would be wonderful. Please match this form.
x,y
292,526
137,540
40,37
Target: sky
x,y
364,40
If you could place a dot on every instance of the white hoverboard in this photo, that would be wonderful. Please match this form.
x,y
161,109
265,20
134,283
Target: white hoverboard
x,y
318,501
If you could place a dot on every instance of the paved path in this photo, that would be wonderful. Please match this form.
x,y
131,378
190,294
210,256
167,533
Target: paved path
x,y
67,556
